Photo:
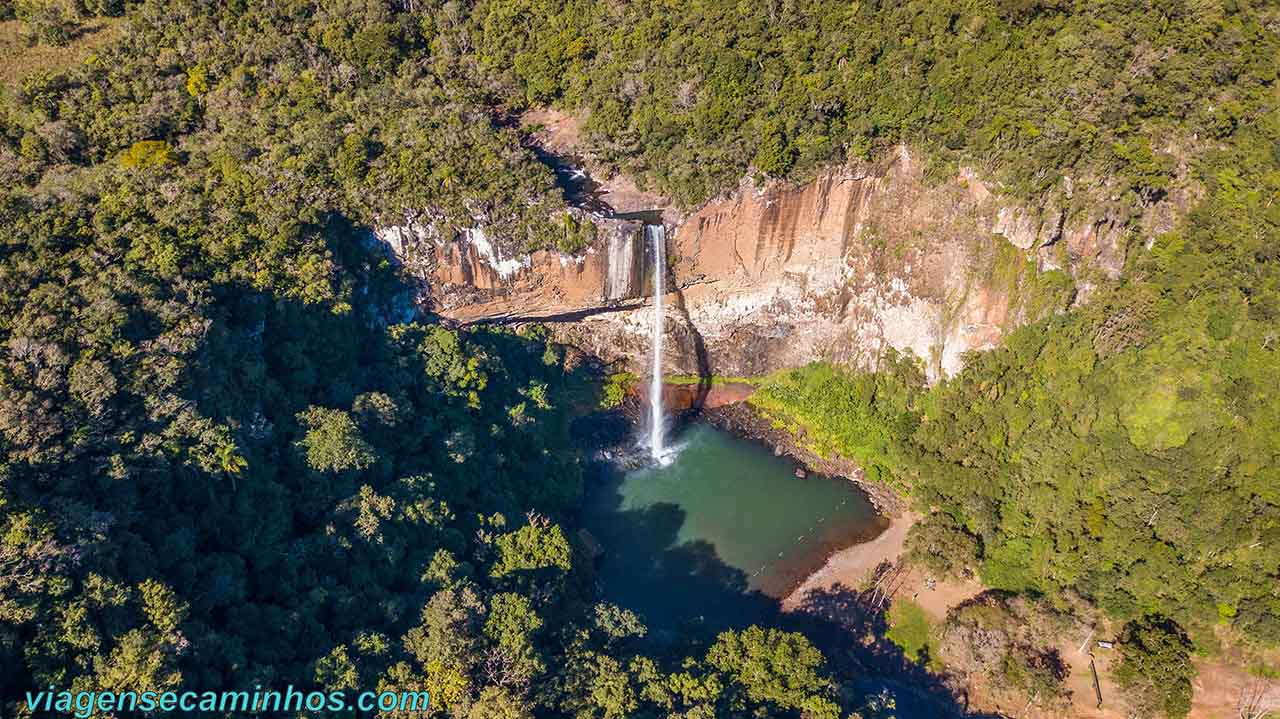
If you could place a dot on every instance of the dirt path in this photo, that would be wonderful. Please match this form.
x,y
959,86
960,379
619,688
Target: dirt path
x,y
852,566
1218,685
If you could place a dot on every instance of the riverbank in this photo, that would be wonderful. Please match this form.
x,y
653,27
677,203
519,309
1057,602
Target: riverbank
x,y
854,567
742,420
1219,683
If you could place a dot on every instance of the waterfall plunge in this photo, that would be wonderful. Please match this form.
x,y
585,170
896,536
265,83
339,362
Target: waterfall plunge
x,y
657,236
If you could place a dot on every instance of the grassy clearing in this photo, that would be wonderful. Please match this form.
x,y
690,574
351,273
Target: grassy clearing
x,y
20,60
910,630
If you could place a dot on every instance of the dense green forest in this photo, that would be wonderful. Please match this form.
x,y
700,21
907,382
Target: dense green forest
x,y
230,455
1127,452
1041,94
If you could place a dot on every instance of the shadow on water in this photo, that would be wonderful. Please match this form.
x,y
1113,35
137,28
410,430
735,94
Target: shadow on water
x,y
683,587
687,594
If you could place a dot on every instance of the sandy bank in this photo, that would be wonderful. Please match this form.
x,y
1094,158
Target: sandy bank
x,y
852,565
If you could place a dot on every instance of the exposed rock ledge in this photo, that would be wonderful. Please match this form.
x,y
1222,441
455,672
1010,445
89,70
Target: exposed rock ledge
x,y
840,268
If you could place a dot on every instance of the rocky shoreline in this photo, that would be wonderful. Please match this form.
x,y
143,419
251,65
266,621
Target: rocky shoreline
x,y
726,407
742,420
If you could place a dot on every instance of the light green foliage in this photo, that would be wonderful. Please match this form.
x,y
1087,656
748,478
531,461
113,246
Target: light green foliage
x,y
163,608
863,416
148,153
775,668
333,442
510,627
615,389
458,369
197,80
139,662
1033,295
775,156
496,703
336,671
1008,566
532,547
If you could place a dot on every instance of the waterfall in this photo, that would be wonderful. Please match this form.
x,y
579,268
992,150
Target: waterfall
x,y
657,235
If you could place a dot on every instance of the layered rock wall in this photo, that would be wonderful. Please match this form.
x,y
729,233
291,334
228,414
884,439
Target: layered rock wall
x,y
841,268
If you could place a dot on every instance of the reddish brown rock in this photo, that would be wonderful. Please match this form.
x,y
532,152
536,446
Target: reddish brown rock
x,y
840,268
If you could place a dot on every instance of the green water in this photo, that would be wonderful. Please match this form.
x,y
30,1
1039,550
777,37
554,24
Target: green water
x,y
719,535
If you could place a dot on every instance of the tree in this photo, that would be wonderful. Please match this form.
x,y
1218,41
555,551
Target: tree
x,y
497,703
162,606
1155,669
336,671
447,646
1257,699
333,442
773,668
535,546
511,660
139,662
775,156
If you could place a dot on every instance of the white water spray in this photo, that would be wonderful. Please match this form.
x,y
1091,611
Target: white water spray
x,y
657,236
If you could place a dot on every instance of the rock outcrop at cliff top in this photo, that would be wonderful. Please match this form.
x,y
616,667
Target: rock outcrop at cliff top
x,y
841,268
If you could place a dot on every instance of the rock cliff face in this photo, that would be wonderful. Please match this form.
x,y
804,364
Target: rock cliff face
x,y
841,268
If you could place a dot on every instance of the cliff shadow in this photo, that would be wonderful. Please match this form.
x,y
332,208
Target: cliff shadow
x,y
569,316
648,217
579,187
701,357
686,593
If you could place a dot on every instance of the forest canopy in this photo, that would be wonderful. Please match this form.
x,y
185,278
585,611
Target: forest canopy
x,y
232,452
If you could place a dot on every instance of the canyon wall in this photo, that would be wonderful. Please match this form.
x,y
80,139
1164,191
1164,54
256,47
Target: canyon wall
x,y
844,267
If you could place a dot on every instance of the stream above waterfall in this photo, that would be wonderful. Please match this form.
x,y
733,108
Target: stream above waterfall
x,y
719,534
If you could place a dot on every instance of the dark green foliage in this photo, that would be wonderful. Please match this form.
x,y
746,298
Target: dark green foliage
x,y
1033,91
228,454
943,546
1155,668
